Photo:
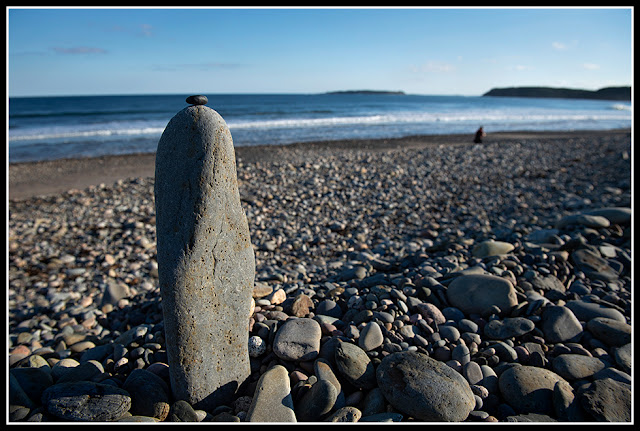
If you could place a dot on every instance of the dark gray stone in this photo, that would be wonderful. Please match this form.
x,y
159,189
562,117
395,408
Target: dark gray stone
x,y
354,365
529,389
182,411
32,382
559,325
607,400
593,265
197,100
298,340
508,327
586,311
86,401
610,331
424,388
149,394
477,293
574,367
317,402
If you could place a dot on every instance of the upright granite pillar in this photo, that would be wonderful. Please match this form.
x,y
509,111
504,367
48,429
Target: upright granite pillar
x,y
206,264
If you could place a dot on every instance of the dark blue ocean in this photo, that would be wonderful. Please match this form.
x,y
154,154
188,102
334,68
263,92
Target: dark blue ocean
x,y
45,128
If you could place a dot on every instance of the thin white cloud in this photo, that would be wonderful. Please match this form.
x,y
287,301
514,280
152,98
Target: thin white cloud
x,y
194,66
559,46
79,50
434,67
146,30
591,66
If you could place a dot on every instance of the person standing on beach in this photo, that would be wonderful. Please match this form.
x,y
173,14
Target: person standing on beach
x,y
479,135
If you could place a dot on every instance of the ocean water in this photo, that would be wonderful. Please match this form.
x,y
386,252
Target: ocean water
x,y
45,128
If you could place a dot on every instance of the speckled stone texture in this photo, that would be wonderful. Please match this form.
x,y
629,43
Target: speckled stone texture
x,y
206,264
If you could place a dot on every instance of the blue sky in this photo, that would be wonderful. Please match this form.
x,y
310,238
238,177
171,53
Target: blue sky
x,y
419,51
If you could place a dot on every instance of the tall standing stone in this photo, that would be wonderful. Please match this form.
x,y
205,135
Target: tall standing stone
x,y
206,263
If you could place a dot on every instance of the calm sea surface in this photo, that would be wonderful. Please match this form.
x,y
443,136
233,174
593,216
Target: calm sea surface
x,y
44,128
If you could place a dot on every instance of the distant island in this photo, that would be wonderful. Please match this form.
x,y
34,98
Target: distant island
x,y
366,92
608,93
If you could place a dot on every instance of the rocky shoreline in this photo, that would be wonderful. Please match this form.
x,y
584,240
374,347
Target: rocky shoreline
x,y
443,283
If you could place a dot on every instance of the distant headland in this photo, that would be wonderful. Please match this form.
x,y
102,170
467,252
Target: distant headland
x,y
366,92
607,93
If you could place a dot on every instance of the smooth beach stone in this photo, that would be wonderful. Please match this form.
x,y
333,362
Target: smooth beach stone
x,y
573,367
586,311
197,100
86,401
424,388
345,414
508,327
547,283
491,248
354,365
430,311
478,293
206,263
149,394
323,371
317,402
370,337
588,220
114,292
271,400
622,356
615,215
565,404
610,331
298,340
593,265
607,400
559,325
330,308
529,389
182,411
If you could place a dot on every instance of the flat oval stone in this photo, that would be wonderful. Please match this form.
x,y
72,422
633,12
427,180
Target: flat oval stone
x,y
197,100
477,293
610,331
507,328
491,248
86,401
355,366
573,367
529,389
298,340
559,325
586,311
424,388
593,265
616,215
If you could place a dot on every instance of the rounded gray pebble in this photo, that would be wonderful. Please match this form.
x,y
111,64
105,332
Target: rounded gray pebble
x,y
197,100
424,388
86,401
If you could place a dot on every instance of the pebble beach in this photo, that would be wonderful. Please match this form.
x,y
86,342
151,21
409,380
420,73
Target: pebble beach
x,y
419,279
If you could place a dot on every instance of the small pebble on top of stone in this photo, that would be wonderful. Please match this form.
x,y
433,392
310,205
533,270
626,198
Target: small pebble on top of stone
x,y
197,100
